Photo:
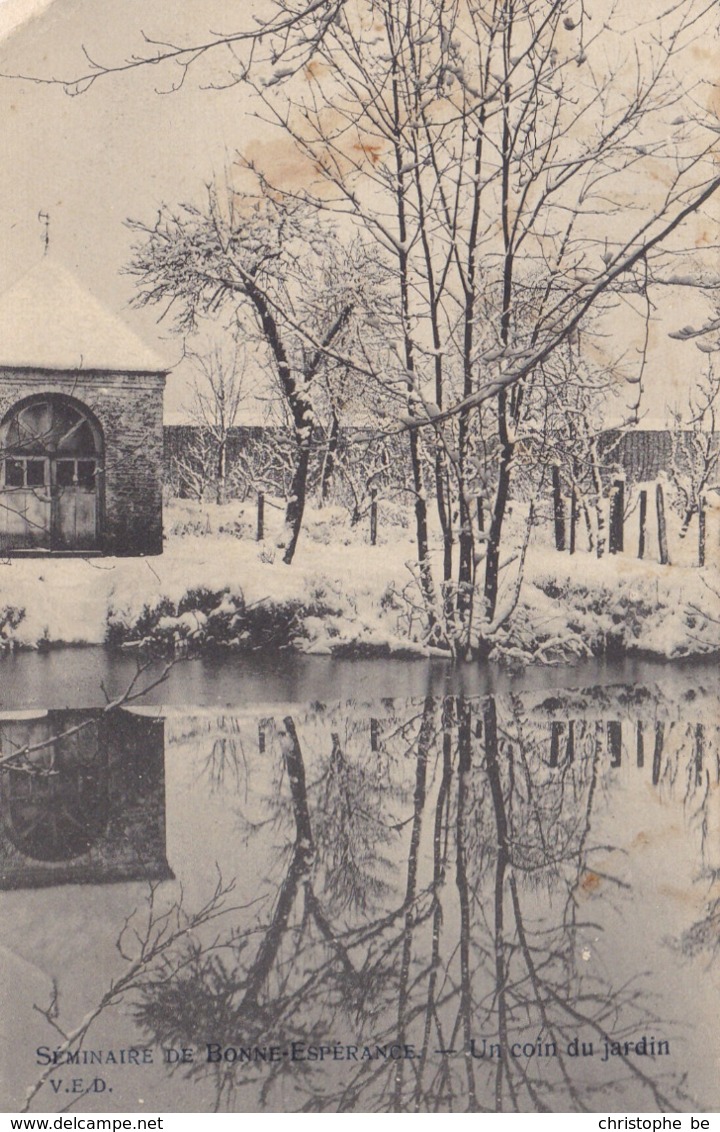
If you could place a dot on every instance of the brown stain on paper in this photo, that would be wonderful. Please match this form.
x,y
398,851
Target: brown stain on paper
x,y
590,883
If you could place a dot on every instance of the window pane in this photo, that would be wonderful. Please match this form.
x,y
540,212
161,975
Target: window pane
x,y
65,473
14,473
35,473
86,473
78,438
34,424
64,419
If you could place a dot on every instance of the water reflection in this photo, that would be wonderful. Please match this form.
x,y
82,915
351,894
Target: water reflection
x,y
444,904
435,876
85,802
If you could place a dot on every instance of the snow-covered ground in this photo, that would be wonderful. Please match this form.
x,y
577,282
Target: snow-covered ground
x,y
217,585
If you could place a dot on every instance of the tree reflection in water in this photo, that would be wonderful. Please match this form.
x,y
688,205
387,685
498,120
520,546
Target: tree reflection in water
x,y
436,877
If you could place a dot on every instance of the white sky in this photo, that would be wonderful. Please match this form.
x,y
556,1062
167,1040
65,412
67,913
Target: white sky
x,y
13,13
115,152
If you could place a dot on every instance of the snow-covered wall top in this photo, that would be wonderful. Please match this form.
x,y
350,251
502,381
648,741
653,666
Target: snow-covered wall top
x,y
645,453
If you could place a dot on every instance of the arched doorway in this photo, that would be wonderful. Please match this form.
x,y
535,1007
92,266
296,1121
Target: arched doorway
x,y
60,808
52,454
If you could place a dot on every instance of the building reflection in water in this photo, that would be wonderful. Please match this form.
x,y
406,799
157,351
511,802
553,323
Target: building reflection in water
x,y
87,803
443,904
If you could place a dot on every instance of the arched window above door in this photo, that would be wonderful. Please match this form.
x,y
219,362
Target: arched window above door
x,y
51,424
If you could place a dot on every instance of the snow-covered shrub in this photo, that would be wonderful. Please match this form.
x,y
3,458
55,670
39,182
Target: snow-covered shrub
x,y
203,599
242,528
120,632
193,526
204,619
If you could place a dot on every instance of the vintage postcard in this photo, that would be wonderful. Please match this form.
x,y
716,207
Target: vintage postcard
x,y
359,547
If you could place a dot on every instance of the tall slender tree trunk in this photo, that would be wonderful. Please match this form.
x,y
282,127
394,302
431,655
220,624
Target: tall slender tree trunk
x,y
296,503
328,470
424,743
421,526
421,522
444,513
298,870
492,562
222,472
492,769
463,826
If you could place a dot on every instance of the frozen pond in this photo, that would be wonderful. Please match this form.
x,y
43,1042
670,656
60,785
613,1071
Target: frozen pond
x,y
360,886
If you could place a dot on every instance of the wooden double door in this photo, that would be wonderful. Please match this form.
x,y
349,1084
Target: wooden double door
x,y
51,477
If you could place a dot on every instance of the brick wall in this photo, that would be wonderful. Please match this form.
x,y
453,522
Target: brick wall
x,y
129,409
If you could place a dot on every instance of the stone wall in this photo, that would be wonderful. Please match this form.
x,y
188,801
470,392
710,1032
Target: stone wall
x,y
129,409
643,455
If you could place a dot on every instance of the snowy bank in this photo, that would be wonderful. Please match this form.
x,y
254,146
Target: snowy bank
x,y
216,587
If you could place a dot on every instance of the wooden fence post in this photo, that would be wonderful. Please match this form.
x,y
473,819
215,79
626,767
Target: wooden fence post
x,y
573,518
374,735
570,748
614,739
373,516
556,732
643,524
617,517
701,531
662,526
657,753
260,533
699,752
558,509
640,744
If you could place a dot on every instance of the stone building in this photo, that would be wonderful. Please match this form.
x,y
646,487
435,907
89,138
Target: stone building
x,y
81,436
100,816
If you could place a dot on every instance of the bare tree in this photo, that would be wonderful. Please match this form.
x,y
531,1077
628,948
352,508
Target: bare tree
x,y
193,467
562,422
490,154
273,261
218,391
695,459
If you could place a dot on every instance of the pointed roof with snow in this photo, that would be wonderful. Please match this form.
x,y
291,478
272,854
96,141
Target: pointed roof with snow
x,y
49,321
